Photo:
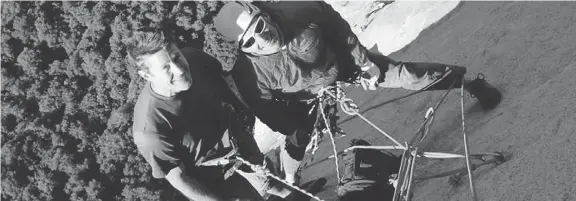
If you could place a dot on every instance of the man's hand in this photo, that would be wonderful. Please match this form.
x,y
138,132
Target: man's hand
x,y
369,77
190,187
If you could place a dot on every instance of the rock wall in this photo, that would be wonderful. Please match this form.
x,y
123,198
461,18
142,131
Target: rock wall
x,y
391,24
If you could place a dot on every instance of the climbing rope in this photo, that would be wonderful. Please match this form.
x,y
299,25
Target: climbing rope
x,y
333,143
238,160
335,94
267,172
466,145
349,107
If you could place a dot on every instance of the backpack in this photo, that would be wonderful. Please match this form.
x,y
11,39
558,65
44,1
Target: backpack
x,y
366,174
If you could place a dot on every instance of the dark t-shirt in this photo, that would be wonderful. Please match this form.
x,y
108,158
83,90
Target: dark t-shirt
x,y
182,130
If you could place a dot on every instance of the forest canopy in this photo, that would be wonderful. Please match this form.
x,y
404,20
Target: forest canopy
x,y
68,93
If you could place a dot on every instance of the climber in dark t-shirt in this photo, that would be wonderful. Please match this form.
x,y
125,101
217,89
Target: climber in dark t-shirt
x,y
193,118
181,117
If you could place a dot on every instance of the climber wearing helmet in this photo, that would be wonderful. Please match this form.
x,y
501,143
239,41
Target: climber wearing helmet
x,y
289,50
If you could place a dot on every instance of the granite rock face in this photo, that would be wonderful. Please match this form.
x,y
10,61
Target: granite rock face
x,y
358,13
391,25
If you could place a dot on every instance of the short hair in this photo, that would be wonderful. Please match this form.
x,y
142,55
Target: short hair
x,y
146,42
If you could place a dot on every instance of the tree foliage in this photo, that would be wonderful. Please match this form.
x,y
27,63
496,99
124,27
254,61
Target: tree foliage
x,y
68,93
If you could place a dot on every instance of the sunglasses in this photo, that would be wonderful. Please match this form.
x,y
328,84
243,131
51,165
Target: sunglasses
x,y
258,22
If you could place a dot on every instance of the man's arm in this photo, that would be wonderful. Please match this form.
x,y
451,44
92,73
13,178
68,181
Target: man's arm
x,y
341,37
350,53
162,154
190,187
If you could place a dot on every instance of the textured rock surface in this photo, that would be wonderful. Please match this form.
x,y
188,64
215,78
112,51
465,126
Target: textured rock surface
x,y
391,25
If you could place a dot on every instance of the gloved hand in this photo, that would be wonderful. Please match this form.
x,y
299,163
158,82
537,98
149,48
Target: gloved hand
x,y
369,77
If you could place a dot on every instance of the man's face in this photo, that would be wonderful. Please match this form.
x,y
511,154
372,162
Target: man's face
x,y
261,36
168,71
